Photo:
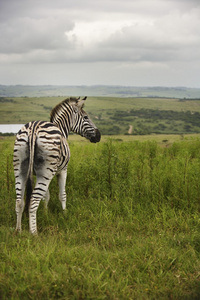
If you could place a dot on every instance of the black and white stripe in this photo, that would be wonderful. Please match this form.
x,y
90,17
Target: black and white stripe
x,y
41,148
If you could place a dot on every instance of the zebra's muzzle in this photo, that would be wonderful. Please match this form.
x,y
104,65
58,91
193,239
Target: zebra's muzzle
x,y
96,138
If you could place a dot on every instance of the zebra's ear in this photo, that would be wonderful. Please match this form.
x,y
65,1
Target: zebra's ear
x,y
81,102
73,100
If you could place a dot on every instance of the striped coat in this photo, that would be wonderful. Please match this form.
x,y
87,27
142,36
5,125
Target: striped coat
x,y
41,148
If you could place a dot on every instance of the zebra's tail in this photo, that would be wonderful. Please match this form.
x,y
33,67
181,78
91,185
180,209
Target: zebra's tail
x,y
29,179
29,190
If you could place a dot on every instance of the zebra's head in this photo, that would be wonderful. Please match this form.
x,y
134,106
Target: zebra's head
x,y
82,124
70,116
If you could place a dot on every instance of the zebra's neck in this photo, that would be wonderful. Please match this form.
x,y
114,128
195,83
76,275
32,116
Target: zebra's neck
x,y
65,130
62,117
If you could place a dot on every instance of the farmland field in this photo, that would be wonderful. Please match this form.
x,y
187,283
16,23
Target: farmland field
x,y
114,115
131,231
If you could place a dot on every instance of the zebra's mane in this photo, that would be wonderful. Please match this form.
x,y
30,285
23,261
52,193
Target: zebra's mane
x,y
61,105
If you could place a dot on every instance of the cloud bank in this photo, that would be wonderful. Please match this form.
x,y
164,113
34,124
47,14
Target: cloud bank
x,y
128,36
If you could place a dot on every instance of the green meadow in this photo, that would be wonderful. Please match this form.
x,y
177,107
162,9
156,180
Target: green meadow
x,y
131,230
114,115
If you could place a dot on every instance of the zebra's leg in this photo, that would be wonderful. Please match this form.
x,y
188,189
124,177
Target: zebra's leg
x,y
20,164
19,207
46,198
62,176
39,193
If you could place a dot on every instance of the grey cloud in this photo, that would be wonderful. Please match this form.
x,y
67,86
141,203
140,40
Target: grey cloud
x,y
154,31
24,35
172,37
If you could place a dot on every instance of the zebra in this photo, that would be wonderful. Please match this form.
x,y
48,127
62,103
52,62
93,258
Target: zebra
x,y
41,148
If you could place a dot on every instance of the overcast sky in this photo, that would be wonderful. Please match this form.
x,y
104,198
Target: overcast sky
x,y
112,42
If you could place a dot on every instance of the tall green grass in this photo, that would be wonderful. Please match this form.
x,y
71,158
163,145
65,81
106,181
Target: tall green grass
x,y
131,231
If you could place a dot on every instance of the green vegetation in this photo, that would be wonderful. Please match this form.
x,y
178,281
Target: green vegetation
x,y
23,110
114,116
132,228
159,121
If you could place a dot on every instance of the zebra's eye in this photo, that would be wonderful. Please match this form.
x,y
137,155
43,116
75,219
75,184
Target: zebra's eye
x,y
85,117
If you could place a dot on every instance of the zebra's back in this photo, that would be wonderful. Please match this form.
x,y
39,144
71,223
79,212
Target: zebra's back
x,y
40,145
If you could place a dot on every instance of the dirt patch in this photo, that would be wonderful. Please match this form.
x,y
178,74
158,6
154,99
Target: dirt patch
x,y
130,130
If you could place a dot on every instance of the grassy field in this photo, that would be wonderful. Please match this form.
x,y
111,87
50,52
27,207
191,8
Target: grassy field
x,y
114,115
132,228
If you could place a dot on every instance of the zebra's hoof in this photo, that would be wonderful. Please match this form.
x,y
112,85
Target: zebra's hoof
x,y
17,231
34,233
65,213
